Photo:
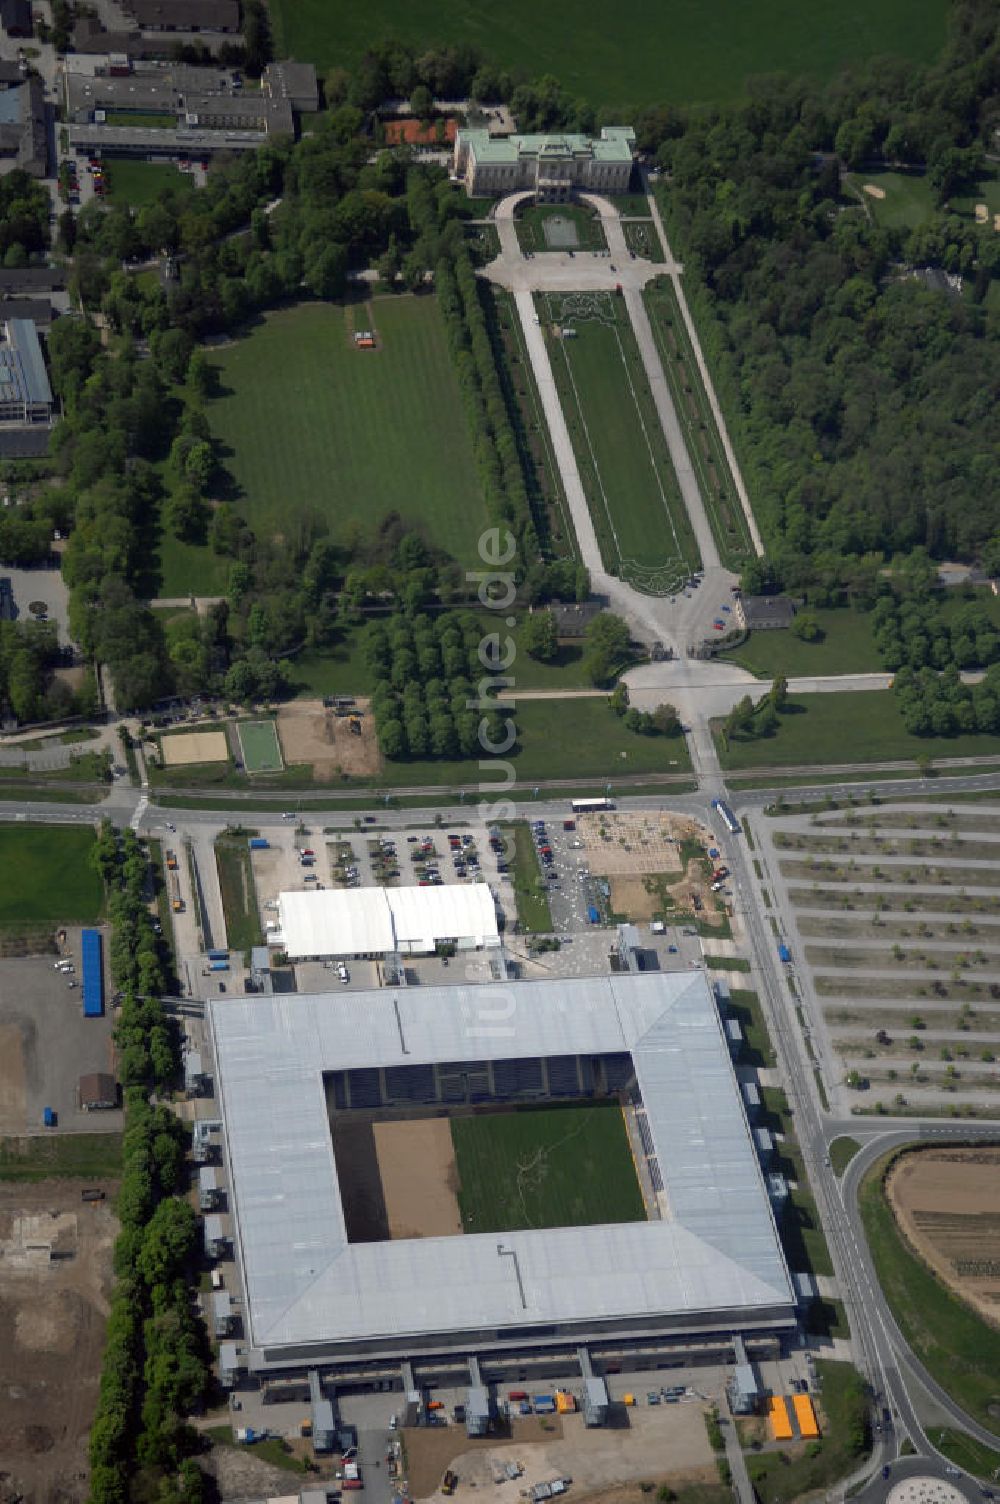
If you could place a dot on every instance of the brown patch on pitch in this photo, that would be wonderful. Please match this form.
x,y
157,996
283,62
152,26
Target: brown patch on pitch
x,y
416,1161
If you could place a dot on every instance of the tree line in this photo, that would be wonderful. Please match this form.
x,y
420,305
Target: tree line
x,y
157,1363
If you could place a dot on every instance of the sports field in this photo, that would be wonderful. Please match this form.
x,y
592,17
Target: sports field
x,y
261,752
636,54
48,876
310,426
545,1167
639,517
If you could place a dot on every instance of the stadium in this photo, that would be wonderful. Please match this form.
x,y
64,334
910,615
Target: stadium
x,y
438,1171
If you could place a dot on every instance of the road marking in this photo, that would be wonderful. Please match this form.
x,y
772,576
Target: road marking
x,y
140,811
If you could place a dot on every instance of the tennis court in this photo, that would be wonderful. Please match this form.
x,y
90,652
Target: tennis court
x,y
261,750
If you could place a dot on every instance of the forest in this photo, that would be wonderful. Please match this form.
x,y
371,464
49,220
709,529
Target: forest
x,y
862,394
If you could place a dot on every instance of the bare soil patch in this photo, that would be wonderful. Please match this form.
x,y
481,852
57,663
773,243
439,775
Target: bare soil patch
x,y
310,733
631,843
52,1316
638,1446
416,1160
947,1204
186,747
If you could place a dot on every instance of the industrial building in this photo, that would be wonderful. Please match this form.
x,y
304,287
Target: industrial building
x,y
376,922
705,1264
552,167
25,393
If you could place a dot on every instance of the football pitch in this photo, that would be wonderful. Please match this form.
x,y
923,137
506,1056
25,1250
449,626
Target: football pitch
x,y
315,431
48,876
635,502
545,1167
261,752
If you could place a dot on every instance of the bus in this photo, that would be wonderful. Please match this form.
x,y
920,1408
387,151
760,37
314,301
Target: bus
x,y
590,806
727,817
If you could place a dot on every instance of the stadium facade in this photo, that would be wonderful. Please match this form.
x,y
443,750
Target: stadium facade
x,y
707,1263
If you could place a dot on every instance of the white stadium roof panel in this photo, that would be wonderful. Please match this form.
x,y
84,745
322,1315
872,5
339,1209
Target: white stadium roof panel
x,y
717,1249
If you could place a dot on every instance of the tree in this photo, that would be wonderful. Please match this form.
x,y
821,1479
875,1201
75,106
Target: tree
x,y
606,646
422,102
779,693
805,626
666,721
618,698
539,637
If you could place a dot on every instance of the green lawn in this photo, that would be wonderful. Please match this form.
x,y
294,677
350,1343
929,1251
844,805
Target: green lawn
x,y
704,445
636,55
779,1477
961,1448
958,1348
909,200
92,1156
558,739
310,426
48,876
239,895
530,887
842,1151
846,647
639,517
545,1167
189,568
138,183
850,726
530,226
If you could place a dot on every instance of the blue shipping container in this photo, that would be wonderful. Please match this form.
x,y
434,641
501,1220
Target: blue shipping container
x,y
93,975
593,917
218,955
784,954
218,966
49,1117
258,843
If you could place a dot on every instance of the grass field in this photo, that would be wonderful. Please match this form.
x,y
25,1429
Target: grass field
x,y
530,887
959,1350
680,52
261,751
138,183
842,1151
48,876
909,199
639,516
964,1450
846,647
853,726
94,1156
545,1167
704,445
362,433
239,895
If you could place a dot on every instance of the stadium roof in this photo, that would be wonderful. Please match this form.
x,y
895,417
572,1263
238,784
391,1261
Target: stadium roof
x,y
717,1250
376,921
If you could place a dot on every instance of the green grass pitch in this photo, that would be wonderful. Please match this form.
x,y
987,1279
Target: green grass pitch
x,y
677,51
545,1167
311,427
261,751
48,876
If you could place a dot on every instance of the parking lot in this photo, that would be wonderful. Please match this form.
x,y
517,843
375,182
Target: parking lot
x,y
46,1045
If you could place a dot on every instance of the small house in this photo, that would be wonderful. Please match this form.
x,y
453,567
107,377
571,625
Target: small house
x,y
98,1092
